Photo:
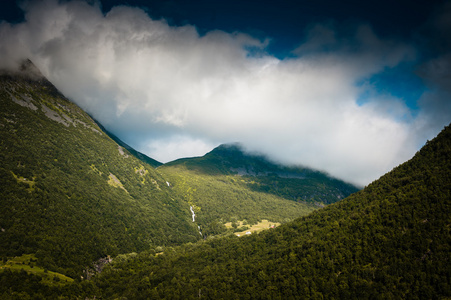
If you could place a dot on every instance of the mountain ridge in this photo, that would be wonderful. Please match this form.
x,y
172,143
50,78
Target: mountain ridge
x,y
291,182
153,162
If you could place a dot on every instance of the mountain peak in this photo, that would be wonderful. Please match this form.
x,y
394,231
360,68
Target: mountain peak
x,y
289,182
25,69
228,149
230,146
28,68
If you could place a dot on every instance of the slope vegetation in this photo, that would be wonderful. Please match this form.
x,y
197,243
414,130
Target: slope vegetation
x,y
391,240
230,185
260,174
68,193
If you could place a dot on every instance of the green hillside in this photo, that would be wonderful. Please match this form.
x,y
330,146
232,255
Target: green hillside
x,y
217,200
229,185
391,240
69,194
262,175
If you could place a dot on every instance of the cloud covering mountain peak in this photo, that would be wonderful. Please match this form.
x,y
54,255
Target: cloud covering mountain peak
x,y
171,92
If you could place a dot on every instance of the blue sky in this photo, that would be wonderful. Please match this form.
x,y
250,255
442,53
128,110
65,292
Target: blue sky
x,y
285,22
352,88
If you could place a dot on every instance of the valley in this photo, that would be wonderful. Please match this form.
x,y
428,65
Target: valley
x,y
73,195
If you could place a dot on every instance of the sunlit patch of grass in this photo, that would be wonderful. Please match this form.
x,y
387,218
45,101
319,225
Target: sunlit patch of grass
x,y
28,263
142,172
24,180
264,224
115,182
94,168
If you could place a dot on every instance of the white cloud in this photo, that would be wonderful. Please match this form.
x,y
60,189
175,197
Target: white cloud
x,y
172,93
177,147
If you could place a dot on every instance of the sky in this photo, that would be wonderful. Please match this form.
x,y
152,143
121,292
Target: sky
x,y
352,88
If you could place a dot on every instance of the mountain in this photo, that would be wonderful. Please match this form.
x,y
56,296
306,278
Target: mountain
x,y
231,185
290,182
391,240
69,194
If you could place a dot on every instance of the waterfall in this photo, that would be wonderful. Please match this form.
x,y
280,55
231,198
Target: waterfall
x,y
192,212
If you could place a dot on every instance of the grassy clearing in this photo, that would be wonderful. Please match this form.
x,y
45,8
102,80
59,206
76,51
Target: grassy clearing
x,y
94,168
113,181
264,224
142,172
27,262
21,179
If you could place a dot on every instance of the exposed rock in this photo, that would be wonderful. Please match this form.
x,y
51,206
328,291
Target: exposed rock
x,y
53,115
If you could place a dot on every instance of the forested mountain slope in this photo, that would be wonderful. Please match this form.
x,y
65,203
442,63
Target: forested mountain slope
x,y
391,240
68,193
260,174
229,185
